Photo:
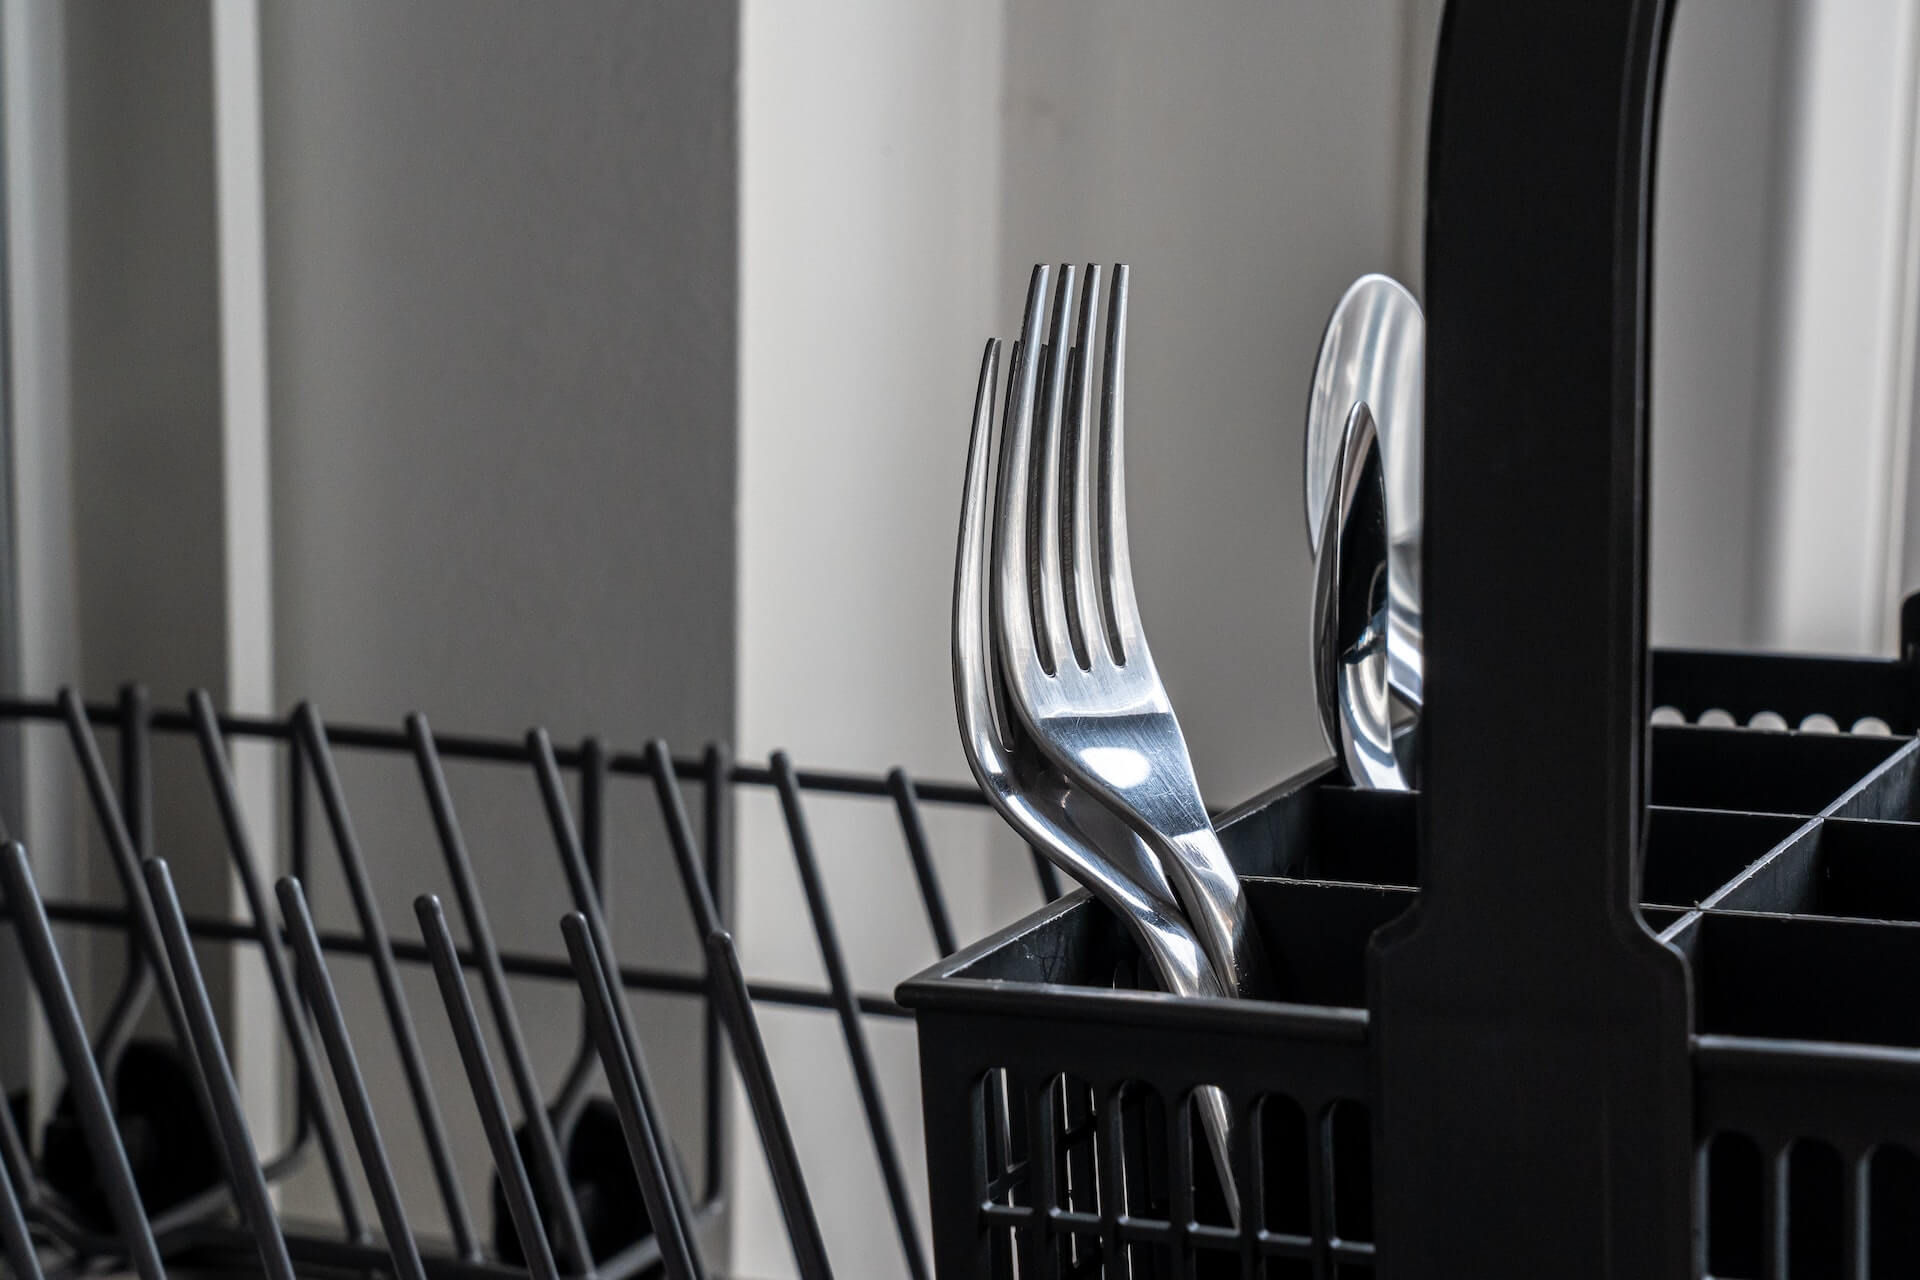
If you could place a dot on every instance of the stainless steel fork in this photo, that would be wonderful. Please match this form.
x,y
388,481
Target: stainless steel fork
x,y
1078,672
1072,829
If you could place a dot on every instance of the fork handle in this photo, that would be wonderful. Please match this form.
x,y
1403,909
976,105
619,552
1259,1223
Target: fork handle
x,y
1184,970
1209,888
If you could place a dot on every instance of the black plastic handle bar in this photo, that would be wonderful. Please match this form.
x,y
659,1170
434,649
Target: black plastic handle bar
x,y
1529,1035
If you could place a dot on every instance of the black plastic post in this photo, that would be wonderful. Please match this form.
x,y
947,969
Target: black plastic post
x,y
1530,1037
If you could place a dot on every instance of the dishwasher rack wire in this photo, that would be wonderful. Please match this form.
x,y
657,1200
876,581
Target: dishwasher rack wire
x,y
148,1160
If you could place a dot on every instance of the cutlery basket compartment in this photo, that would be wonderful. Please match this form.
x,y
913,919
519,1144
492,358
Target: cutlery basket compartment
x,y
1061,1132
1752,771
1691,854
1058,1092
1847,869
1313,827
1782,977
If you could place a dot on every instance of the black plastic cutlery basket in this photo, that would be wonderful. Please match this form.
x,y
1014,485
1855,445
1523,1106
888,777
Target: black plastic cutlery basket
x,y
1606,998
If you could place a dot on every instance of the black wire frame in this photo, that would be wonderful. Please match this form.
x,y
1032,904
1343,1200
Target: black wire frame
x,y
202,1225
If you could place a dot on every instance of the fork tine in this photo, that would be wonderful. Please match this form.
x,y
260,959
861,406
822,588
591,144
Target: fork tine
x,y
1116,561
973,692
1043,508
1011,573
1076,512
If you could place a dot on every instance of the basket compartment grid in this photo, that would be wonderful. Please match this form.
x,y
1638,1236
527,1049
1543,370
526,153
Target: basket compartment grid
x,y
1784,864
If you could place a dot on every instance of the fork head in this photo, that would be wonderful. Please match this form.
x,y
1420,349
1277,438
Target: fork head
x,y
1069,827
1064,581
1078,672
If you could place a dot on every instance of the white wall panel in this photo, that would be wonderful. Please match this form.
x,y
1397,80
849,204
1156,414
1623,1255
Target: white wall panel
x,y
870,171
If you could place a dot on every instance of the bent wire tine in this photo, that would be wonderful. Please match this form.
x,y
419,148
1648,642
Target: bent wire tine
x,y
136,811
325,1006
136,765
137,989
312,734
716,802
145,967
573,864
210,1059
76,1057
572,1094
727,988
213,755
548,1165
632,1097
846,1004
907,805
485,1089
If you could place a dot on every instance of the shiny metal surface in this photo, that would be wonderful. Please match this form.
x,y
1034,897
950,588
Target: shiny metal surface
x,y
1350,613
1068,826
1077,669
1072,830
1374,352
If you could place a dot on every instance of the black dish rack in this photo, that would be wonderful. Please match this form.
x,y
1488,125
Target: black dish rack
x,y
148,1165
1605,999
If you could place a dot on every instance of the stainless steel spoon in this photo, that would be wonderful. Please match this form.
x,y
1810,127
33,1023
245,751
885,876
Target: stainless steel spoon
x,y
1374,352
1350,613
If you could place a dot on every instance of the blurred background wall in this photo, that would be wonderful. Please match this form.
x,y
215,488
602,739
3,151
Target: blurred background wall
x,y
608,367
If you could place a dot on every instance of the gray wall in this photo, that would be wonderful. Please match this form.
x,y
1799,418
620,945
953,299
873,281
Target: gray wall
x,y
902,168
870,168
1247,161
146,515
502,267
1720,199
